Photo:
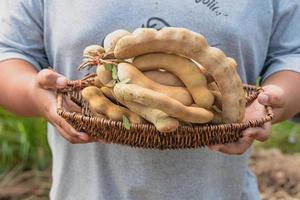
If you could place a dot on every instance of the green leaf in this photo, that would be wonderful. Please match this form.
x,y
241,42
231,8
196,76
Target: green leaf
x,y
108,67
115,73
126,122
258,81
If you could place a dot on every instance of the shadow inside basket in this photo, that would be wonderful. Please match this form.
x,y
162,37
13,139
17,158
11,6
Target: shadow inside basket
x,y
146,135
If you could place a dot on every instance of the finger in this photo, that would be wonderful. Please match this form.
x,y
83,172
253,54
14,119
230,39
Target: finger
x,y
272,96
237,148
71,131
273,100
72,140
261,134
49,79
68,129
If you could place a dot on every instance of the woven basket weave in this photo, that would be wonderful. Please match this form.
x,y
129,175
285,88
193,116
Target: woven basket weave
x,y
146,135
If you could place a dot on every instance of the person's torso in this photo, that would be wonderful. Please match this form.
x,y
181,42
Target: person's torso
x,y
241,29
96,171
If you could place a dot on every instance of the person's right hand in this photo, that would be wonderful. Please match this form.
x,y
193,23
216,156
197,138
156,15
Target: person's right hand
x,y
42,91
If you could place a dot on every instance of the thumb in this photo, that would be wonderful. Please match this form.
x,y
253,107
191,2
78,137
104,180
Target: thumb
x,y
48,79
272,96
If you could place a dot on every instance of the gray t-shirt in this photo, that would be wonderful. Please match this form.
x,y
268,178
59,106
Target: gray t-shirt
x,y
263,37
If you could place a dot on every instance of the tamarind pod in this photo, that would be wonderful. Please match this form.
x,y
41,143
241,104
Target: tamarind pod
x,y
103,75
93,50
111,39
218,99
97,82
217,94
130,72
217,114
159,119
167,78
189,44
185,69
100,104
157,100
108,92
164,77
213,86
217,118
208,77
90,56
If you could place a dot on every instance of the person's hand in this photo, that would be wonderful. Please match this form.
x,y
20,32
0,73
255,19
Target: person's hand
x,y
42,91
272,96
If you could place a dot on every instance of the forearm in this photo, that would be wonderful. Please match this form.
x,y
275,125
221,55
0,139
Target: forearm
x,y
17,78
289,81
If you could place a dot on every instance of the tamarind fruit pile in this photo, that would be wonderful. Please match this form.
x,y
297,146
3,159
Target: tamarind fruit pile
x,y
164,77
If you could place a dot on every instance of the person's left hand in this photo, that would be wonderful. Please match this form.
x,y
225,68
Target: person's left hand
x,y
273,96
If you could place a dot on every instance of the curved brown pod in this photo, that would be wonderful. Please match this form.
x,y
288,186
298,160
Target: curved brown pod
x,y
158,118
185,69
164,77
112,38
98,103
93,50
184,42
103,75
131,73
160,101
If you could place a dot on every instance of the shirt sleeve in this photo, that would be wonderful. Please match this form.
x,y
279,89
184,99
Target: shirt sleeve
x,y
21,32
284,46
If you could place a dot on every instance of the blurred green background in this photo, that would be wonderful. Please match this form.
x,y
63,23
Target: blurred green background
x,y
23,143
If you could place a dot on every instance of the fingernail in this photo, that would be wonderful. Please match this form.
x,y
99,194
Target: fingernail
x,y
264,99
61,82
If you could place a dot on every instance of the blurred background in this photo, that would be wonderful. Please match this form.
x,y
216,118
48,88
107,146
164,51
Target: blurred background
x,y
25,169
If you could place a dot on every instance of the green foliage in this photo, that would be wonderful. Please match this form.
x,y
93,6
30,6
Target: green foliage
x,y
126,122
108,67
23,142
114,73
285,136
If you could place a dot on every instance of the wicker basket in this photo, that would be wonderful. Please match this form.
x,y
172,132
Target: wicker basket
x,y
146,135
